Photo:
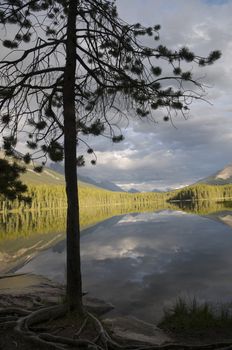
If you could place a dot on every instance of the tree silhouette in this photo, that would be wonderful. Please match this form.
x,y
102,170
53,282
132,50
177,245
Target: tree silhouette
x,y
74,68
11,187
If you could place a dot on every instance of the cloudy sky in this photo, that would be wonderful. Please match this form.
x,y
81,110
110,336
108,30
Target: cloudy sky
x,y
160,155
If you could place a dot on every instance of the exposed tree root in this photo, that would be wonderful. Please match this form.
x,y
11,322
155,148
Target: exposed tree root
x,y
32,326
14,310
82,327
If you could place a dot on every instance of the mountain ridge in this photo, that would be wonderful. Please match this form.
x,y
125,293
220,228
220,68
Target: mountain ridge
x,y
221,177
47,177
106,185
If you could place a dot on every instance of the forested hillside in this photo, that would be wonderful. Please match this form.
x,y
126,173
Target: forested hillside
x,y
54,196
202,192
47,191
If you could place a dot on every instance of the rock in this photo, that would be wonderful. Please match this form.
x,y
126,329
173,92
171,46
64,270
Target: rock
x,y
22,289
97,306
133,329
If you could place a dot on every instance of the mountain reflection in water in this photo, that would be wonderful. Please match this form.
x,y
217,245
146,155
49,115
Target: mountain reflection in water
x,y
143,262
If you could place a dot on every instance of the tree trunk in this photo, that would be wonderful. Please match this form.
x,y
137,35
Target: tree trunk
x,y
74,284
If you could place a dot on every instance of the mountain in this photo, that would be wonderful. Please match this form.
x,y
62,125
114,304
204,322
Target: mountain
x,y
47,177
222,177
133,190
107,185
156,190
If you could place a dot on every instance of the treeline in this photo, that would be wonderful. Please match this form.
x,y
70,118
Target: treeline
x,y
202,192
54,197
42,196
51,197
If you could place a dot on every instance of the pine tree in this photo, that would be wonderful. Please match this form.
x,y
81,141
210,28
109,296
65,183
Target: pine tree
x,y
74,68
11,187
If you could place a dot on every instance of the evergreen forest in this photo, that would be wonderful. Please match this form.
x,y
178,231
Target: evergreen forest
x,y
47,197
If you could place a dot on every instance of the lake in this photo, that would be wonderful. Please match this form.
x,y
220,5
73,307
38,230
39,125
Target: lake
x,y
141,262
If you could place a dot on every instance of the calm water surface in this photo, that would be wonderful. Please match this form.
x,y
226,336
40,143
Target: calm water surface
x,y
144,262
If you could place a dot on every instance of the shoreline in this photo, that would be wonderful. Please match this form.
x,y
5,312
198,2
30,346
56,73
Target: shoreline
x,y
34,292
29,291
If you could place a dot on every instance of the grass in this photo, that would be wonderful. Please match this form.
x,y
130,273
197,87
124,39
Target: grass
x,y
195,316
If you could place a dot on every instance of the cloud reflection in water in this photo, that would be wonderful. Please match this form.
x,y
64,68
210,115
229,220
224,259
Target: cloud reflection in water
x,y
143,262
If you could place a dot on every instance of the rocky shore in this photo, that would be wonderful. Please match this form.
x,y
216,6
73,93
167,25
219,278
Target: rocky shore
x,y
29,291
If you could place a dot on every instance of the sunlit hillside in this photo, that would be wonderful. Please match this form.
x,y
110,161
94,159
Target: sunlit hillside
x,y
47,177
